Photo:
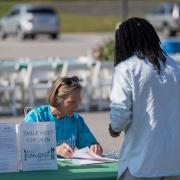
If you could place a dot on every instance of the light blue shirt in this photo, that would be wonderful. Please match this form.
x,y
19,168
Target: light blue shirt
x,y
70,130
147,106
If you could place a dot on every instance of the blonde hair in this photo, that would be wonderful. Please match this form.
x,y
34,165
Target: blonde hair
x,y
62,89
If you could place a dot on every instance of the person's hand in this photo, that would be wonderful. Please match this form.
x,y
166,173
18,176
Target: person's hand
x,y
97,149
64,150
113,133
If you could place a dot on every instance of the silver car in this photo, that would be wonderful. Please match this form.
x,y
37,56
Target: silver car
x,y
28,20
166,17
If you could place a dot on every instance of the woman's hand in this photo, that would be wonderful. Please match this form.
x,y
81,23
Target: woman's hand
x,y
64,150
113,133
97,149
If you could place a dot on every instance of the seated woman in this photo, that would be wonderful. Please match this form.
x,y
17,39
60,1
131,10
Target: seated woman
x,y
71,130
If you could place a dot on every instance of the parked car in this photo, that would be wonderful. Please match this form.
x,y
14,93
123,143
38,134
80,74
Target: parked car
x,y
166,17
29,20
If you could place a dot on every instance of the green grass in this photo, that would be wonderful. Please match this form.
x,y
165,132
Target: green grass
x,y
5,7
87,23
73,22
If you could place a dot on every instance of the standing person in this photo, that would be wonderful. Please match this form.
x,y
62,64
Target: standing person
x,y
145,104
71,130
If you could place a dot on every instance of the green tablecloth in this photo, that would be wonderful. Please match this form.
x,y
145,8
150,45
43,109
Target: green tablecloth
x,y
68,171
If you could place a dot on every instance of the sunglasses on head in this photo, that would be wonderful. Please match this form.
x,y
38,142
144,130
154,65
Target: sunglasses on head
x,y
71,81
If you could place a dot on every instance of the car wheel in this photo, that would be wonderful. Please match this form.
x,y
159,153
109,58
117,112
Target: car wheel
x,y
54,36
20,34
3,35
32,36
166,30
172,33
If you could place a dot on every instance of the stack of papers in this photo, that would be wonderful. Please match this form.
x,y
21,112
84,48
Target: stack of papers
x,y
86,156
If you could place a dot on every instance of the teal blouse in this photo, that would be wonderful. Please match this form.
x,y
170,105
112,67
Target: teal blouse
x,y
71,130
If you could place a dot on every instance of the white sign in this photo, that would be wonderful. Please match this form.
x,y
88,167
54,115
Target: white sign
x,y
38,146
9,161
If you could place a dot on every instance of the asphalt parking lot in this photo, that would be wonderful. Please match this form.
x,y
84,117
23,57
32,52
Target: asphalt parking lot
x,y
67,46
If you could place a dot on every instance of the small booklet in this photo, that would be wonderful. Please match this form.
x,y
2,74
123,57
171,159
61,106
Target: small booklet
x,y
86,156
27,147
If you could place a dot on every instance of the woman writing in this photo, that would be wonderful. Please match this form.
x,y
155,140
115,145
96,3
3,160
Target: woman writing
x,y
71,130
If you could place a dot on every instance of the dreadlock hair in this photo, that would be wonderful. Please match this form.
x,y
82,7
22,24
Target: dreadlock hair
x,y
136,36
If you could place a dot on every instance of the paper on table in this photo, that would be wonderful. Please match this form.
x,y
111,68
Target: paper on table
x,y
86,156
9,161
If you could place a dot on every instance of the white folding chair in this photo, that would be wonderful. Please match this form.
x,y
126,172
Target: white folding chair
x,y
82,71
28,109
101,80
8,76
38,81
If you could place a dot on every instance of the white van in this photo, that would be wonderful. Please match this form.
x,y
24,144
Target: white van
x,y
28,20
166,17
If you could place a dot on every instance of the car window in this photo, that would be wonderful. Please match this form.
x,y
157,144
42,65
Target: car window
x,y
41,11
169,9
14,12
159,10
